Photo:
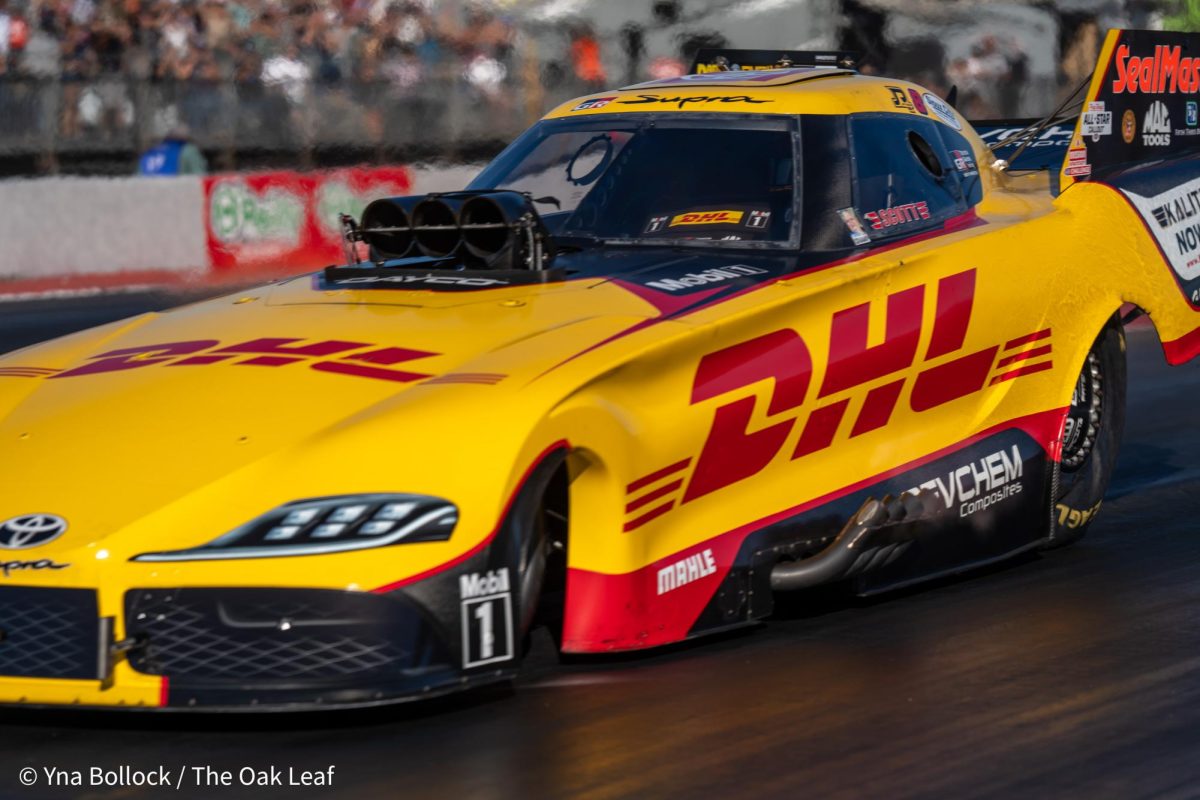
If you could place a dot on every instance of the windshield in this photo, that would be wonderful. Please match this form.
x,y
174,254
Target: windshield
x,y
664,180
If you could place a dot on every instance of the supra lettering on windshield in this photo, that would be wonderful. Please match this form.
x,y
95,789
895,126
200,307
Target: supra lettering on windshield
x,y
681,101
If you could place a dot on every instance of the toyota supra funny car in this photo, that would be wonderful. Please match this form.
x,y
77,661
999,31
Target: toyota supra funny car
x,y
681,347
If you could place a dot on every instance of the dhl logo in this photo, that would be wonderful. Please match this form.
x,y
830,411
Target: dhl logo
x,y
707,218
732,452
356,359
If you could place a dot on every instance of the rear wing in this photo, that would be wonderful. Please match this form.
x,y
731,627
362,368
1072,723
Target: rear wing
x,y
1141,103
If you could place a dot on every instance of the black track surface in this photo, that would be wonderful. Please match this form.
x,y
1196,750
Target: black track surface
x,y
1071,674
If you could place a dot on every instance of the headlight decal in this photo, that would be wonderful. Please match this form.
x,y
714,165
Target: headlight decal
x,y
328,525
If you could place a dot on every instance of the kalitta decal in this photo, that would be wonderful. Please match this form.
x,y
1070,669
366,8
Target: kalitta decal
x,y
1174,219
680,101
686,571
979,485
704,277
1165,72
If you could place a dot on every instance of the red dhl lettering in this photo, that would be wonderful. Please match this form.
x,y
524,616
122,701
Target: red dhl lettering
x,y
1164,72
356,359
732,452
707,218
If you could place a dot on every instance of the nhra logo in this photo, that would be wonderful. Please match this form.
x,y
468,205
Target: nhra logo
x,y
1156,125
1164,72
31,530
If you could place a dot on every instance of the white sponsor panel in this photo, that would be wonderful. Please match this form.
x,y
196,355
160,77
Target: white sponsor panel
x,y
93,226
1097,121
979,485
1174,219
943,111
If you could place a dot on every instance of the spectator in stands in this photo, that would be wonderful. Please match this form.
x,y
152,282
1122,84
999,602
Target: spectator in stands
x,y
175,155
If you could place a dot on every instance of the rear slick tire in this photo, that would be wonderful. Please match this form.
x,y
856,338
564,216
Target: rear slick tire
x,y
1091,437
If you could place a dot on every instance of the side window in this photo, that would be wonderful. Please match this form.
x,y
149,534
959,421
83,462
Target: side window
x,y
904,181
962,159
827,184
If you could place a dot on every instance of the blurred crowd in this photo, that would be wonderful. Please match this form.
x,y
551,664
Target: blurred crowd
x,y
281,75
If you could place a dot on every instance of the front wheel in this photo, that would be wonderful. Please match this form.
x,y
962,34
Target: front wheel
x,y
1091,437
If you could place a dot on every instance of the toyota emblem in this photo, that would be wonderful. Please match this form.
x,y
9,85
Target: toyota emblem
x,y
31,530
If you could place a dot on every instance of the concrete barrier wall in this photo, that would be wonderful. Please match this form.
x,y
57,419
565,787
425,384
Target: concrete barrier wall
x,y
73,226
103,231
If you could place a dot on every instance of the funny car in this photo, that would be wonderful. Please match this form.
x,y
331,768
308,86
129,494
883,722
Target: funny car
x,y
681,347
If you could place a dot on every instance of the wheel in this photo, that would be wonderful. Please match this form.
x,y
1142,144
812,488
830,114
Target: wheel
x,y
539,533
1091,437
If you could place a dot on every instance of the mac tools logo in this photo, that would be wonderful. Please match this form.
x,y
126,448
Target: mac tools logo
x,y
30,530
1156,125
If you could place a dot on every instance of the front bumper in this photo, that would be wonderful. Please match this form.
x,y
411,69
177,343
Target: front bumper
x,y
226,648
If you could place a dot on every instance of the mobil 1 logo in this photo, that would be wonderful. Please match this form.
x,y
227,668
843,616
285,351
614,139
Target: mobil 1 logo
x,y
487,617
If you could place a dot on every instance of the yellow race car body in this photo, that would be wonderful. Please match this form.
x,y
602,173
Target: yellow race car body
x,y
322,491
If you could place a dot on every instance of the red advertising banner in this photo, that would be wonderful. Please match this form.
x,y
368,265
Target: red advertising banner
x,y
282,223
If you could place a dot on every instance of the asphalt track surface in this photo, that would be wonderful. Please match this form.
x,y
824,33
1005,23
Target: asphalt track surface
x,y
1068,674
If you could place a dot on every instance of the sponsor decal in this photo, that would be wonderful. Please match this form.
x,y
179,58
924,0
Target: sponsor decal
x,y
942,110
1165,72
595,102
719,72
1192,117
900,99
707,218
1073,518
694,100
1156,125
979,485
858,234
355,359
964,162
1174,218
689,570
240,215
897,215
7,567
1054,136
430,278
1128,126
656,224
487,618
1077,161
705,277
31,530
918,102
758,219
862,377
1097,121
337,196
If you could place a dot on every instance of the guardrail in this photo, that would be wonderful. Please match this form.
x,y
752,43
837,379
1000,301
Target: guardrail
x,y
117,115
